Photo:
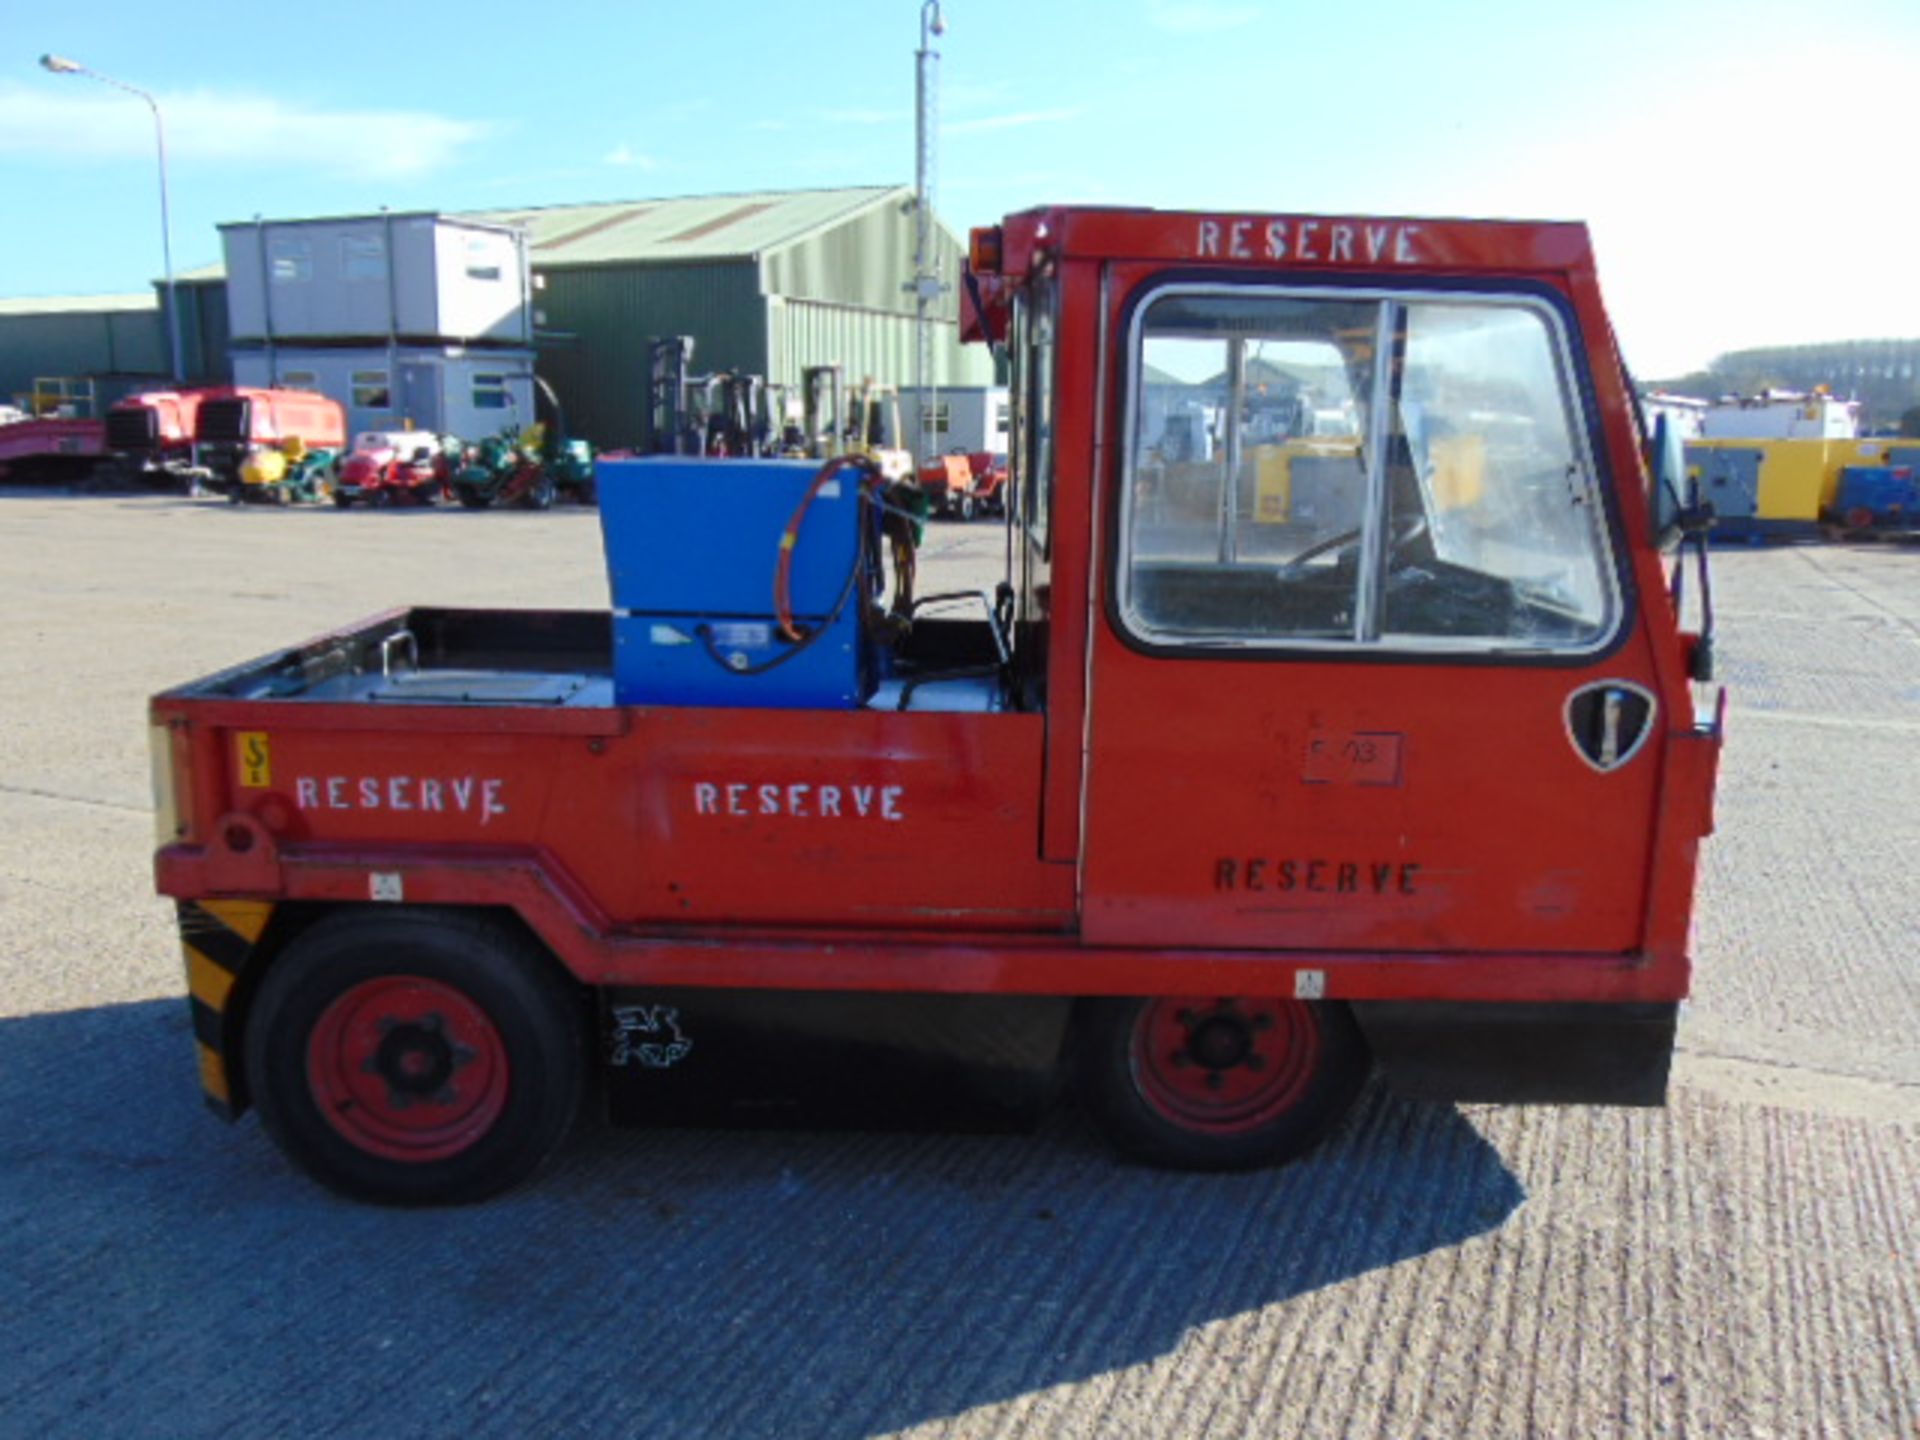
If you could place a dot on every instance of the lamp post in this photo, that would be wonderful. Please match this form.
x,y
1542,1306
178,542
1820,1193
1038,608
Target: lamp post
x,y
926,285
60,65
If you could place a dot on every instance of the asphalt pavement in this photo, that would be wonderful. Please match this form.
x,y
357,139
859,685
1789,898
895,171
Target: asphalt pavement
x,y
1745,1262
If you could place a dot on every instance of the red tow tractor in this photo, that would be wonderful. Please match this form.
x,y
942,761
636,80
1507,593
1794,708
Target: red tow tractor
x,y
1274,762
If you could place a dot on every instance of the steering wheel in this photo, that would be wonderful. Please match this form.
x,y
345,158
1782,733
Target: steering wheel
x,y
1409,529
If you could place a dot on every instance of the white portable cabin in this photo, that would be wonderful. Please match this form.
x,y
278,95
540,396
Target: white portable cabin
x,y
962,418
449,389
1782,415
417,277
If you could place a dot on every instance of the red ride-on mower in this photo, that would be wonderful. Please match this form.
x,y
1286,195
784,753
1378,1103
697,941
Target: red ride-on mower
x,y
386,467
965,485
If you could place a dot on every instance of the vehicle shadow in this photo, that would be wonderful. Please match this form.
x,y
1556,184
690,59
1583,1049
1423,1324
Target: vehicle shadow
x,y
184,1281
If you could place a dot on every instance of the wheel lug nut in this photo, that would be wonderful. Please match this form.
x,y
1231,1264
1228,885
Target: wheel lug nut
x,y
1215,1080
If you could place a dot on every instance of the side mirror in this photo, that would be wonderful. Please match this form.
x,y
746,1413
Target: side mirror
x,y
1678,508
1668,462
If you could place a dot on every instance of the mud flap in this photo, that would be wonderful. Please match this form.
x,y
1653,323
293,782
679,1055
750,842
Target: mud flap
x,y
1522,1054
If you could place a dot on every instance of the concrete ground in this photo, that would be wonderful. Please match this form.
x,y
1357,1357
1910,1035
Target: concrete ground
x,y
1745,1262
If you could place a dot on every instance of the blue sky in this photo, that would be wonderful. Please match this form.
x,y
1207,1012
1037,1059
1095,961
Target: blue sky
x,y
1722,152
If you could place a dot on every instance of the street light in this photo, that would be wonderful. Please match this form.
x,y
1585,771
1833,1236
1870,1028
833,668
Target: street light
x,y
926,285
60,65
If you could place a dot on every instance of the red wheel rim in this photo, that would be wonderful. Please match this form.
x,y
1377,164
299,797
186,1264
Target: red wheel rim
x,y
408,1069
1224,1066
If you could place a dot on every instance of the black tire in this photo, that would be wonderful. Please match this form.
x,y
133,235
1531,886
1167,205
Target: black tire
x,y
968,508
473,499
494,1010
1312,1061
540,494
587,492
343,500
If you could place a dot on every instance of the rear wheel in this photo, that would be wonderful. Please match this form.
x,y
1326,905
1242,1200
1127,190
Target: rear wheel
x,y
540,494
968,507
416,1058
1211,1083
472,498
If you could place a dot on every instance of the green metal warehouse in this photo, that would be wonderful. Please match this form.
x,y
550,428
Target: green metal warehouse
x,y
767,283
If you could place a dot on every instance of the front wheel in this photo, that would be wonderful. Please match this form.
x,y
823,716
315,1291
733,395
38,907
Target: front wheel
x,y
1209,1083
416,1058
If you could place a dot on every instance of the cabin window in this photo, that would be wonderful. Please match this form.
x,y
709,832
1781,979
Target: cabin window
x,y
371,390
1329,469
299,380
363,257
490,392
289,261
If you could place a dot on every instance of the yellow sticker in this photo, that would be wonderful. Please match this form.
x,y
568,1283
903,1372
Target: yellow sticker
x,y
256,759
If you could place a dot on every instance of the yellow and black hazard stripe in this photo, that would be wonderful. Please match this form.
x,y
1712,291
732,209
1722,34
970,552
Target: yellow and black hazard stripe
x,y
219,937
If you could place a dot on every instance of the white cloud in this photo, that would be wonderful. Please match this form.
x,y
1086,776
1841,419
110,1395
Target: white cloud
x,y
1199,17
76,119
1009,122
624,156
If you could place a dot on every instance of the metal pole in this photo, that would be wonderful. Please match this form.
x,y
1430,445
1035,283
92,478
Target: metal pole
x,y
926,285
60,66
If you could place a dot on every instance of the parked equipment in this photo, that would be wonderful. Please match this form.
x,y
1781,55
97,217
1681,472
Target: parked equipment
x,y
1876,500
966,484
150,437
232,422
767,844
387,467
285,473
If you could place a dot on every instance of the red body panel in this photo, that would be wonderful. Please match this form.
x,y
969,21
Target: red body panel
x,y
175,413
277,415
48,439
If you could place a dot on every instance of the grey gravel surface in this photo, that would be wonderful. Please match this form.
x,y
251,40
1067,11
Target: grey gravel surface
x,y
1743,1263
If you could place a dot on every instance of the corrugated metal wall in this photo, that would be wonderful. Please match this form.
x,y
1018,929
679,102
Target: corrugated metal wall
x,y
594,324
204,337
834,298
79,343
869,345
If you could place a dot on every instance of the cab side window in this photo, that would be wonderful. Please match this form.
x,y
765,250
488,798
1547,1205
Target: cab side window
x,y
1034,343
1310,469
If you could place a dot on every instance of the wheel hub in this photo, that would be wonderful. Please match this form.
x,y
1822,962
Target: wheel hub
x,y
1225,1065
417,1061
408,1068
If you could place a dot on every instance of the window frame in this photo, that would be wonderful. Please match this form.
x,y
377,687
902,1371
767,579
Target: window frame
x,y
1037,384
1584,429
496,382
359,380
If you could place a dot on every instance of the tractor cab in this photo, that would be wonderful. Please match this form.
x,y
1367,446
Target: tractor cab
x,y
1333,574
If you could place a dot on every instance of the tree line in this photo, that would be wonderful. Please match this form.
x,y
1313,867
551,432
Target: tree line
x,y
1883,375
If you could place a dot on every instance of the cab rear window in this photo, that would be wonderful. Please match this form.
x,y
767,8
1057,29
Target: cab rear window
x,y
1330,469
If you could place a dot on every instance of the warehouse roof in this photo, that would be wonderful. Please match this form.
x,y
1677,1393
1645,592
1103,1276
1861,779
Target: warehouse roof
x,y
78,304
689,227
695,227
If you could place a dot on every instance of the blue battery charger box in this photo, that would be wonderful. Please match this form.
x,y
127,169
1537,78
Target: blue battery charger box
x,y
692,547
